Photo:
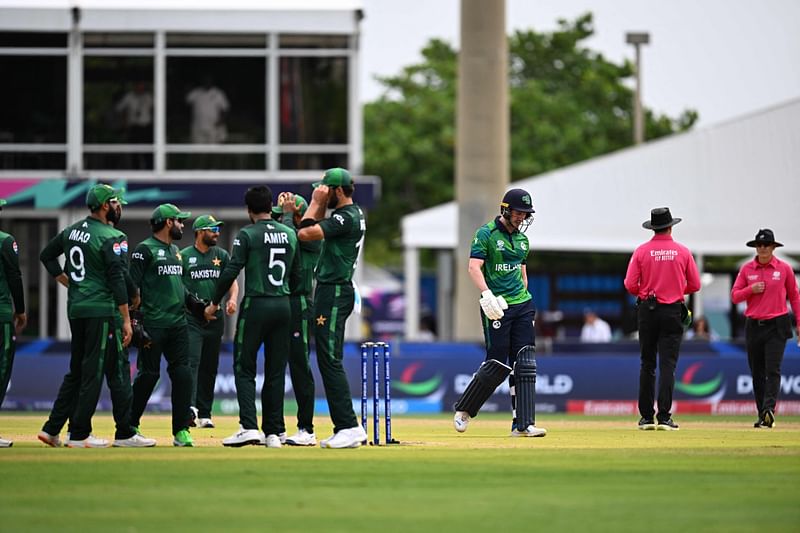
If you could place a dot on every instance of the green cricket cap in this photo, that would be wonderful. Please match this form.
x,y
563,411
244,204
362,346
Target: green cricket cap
x,y
299,202
102,193
166,211
206,222
335,177
2,202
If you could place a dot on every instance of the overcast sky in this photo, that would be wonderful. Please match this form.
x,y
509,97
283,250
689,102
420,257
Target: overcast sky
x,y
723,58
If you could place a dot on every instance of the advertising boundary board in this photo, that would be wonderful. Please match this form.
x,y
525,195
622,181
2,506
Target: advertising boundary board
x,y
594,385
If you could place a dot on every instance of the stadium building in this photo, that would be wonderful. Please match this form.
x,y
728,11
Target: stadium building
x,y
184,105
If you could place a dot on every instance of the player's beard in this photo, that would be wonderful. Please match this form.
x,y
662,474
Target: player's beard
x,y
210,240
114,215
175,233
333,201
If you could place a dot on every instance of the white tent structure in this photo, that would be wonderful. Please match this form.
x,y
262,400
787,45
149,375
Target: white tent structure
x,y
726,181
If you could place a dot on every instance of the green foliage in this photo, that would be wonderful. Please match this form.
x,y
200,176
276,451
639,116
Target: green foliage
x,y
568,104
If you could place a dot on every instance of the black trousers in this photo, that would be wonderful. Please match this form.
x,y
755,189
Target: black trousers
x,y
766,342
660,334
173,342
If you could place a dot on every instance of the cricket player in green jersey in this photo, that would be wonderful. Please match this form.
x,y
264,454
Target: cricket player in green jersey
x,y
343,234
12,318
94,276
157,271
266,250
497,267
202,264
290,211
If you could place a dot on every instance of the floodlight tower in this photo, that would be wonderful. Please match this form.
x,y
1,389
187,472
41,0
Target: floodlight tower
x,y
637,39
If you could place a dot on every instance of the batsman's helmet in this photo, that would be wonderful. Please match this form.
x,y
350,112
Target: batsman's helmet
x,y
518,200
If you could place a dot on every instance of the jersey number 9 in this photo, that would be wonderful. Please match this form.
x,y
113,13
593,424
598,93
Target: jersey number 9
x,y
76,261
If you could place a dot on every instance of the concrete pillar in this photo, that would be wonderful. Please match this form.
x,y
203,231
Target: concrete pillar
x,y
482,144
411,292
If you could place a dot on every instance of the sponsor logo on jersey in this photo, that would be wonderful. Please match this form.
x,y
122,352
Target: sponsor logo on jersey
x,y
501,245
776,275
170,270
124,246
236,242
15,247
117,248
339,218
752,277
137,255
663,255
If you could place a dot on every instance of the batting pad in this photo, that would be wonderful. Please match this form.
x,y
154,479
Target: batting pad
x,y
525,385
490,374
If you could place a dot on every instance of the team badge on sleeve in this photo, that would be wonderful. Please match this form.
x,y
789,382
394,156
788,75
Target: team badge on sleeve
x,y
117,248
15,247
124,246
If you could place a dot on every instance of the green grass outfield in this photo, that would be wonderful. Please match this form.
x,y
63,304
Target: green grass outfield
x,y
588,474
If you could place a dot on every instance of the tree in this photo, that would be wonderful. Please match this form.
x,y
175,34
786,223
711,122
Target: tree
x,y
568,104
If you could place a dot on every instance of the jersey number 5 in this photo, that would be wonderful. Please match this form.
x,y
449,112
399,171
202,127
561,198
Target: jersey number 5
x,y
275,260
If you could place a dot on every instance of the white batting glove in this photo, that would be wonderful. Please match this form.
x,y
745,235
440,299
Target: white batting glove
x,y
491,305
502,302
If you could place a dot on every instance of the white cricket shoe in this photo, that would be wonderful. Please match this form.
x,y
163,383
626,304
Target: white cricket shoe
x,y
5,443
51,440
302,438
205,423
346,438
530,431
461,421
137,441
244,437
273,441
89,442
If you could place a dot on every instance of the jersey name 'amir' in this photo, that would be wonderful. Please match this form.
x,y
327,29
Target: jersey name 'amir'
x,y
170,270
276,238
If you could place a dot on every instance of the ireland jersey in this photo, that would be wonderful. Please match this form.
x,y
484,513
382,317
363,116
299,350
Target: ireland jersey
x,y
93,265
266,250
201,271
157,270
503,256
10,278
344,235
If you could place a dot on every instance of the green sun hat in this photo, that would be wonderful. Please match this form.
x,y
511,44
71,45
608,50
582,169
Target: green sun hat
x,y
166,211
206,222
102,193
299,202
335,177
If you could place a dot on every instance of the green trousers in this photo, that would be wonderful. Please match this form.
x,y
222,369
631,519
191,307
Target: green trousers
x,y
333,303
262,321
299,364
7,351
173,342
96,349
204,344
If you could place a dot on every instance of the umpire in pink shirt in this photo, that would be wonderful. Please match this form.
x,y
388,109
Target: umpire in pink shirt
x,y
661,271
765,283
